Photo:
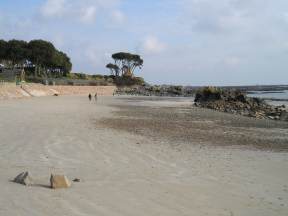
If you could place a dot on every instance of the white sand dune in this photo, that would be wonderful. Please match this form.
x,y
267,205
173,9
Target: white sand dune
x,y
124,174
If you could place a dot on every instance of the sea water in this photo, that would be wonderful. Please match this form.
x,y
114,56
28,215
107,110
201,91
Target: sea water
x,y
277,98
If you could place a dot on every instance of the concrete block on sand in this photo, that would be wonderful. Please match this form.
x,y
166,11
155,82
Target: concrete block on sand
x,y
24,178
59,181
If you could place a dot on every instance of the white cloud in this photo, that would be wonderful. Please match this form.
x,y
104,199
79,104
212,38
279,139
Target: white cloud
x,y
232,21
285,17
81,10
151,44
88,14
118,16
232,61
53,8
97,57
222,16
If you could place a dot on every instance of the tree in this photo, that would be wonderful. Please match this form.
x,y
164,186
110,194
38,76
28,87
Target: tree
x,y
17,52
38,54
113,68
3,50
46,57
41,54
127,62
65,63
62,63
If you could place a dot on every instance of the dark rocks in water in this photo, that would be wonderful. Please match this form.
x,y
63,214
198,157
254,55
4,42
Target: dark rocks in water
x,y
236,102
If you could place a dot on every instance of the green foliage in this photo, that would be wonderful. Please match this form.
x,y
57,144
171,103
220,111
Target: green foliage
x,y
210,90
128,81
3,50
113,68
175,90
208,93
97,77
62,61
126,63
16,51
77,76
40,54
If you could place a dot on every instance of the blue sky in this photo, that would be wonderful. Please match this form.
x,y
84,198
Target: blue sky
x,y
190,42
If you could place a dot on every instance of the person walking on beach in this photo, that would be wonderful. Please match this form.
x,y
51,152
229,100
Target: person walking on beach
x,y
95,96
90,97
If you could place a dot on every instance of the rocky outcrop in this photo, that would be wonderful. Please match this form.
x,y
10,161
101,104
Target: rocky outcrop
x,y
157,90
236,102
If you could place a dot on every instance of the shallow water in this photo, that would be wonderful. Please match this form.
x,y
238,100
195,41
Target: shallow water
x,y
276,98
282,95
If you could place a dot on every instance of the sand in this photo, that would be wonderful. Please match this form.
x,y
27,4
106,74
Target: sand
x,y
127,173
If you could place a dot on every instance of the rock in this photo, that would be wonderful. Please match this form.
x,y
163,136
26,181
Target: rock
x,y
59,181
208,94
236,102
156,90
284,116
24,178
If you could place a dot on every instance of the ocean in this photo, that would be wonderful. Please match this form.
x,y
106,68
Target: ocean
x,y
277,98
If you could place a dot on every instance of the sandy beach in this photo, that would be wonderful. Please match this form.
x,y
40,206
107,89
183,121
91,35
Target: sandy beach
x,y
140,156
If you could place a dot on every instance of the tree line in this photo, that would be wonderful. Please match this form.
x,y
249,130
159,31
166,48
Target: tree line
x,y
39,55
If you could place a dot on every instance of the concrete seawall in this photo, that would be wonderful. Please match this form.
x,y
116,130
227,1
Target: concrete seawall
x,y
11,91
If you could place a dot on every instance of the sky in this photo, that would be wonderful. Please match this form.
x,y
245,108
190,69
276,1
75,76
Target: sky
x,y
187,42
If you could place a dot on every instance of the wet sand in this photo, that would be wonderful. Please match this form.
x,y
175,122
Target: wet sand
x,y
137,156
177,121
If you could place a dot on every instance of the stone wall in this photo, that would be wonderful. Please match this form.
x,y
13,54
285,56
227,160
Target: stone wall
x,y
84,90
10,90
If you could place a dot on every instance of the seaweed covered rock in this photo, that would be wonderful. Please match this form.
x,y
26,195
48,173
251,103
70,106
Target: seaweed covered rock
x,y
236,102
